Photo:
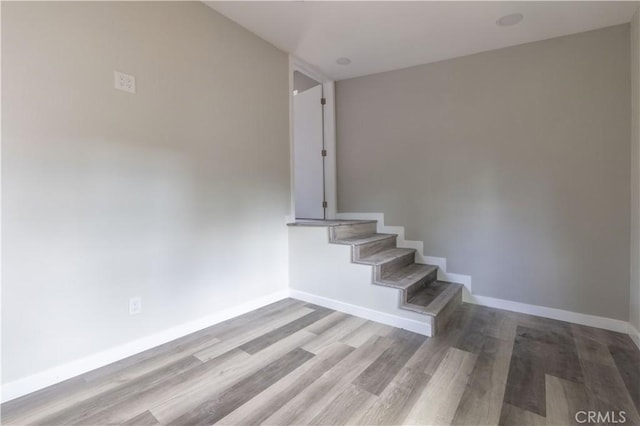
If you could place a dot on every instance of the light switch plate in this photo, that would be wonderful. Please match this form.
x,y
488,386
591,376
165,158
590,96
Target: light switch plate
x,y
124,82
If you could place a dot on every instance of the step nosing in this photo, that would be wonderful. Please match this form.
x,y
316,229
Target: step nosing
x,y
358,241
442,299
349,225
399,286
418,308
419,270
404,283
373,259
329,223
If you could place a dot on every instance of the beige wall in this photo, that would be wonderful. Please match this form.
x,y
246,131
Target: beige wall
x,y
513,164
176,194
301,82
634,299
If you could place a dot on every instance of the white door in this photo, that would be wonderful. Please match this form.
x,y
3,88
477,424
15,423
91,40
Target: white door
x,y
308,159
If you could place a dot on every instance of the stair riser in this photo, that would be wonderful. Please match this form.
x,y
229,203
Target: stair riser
x,y
368,249
443,318
393,265
411,291
350,231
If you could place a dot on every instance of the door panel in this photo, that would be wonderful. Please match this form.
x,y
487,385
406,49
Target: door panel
x,y
308,161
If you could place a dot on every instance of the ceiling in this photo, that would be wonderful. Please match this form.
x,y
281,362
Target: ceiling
x,y
382,36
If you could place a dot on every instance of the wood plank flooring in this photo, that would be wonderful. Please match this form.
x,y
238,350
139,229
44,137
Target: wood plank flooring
x,y
297,363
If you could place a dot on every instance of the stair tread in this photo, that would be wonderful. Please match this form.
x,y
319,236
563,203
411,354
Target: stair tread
x,y
385,256
433,298
328,223
409,275
364,239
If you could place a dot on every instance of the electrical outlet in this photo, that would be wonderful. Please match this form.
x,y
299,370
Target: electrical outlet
x,y
135,305
124,82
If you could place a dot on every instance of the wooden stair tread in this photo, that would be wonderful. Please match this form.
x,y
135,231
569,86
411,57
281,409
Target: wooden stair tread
x,y
407,276
328,222
385,256
356,241
433,298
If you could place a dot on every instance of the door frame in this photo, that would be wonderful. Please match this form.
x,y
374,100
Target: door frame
x,y
329,119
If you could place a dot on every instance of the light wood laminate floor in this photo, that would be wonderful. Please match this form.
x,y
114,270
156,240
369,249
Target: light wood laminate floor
x,y
296,363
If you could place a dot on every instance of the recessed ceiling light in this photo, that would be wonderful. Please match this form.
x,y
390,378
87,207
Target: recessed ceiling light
x,y
343,61
508,20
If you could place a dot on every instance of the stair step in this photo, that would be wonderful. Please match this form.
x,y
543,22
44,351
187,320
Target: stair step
x,y
408,276
433,299
440,300
354,229
420,291
386,256
366,239
327,222
367,245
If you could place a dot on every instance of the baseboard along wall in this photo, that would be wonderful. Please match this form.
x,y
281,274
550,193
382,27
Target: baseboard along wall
x,y
469,297
66,371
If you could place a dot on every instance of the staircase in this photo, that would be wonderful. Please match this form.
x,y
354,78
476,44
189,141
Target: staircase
x,y
395,267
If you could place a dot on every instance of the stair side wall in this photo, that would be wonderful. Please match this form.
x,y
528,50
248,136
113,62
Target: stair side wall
x,y
322,273
440,262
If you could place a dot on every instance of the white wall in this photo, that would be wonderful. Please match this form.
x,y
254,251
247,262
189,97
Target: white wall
x,y
634,299
323,273
176,194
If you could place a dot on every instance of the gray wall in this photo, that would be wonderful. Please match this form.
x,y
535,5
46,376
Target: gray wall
x,y
176,194
634,299
513,164
301,82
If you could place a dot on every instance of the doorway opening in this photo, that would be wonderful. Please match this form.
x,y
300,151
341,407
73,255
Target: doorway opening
x,y
309,148
313,142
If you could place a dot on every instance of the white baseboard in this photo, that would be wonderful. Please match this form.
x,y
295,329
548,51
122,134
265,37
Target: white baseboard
x,y
58,374
66,371
423,328
557,314
634,334
469,297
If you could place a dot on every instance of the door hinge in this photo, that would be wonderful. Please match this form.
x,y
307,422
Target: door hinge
x,y
324,204
324,152
323,101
